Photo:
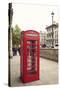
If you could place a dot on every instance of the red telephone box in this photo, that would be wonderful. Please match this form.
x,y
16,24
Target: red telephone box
x,y
30,52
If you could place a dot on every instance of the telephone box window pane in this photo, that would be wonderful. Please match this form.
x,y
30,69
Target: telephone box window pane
x,y
32,56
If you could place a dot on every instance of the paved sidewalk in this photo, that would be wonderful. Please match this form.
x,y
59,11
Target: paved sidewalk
x,y
48,72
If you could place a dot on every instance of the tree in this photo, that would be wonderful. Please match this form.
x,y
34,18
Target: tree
x,y
16,36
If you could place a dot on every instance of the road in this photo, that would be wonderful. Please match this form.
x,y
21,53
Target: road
x,y
48,72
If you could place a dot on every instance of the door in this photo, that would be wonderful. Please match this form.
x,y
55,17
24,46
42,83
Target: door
x,y
31,57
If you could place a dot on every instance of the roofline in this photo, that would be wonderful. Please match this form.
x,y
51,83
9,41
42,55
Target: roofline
x,y
56,25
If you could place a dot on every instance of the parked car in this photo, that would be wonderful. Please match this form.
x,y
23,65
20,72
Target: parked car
x,y
44,45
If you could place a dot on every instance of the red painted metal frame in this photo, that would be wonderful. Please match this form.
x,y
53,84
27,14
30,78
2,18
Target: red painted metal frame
x,y
25,36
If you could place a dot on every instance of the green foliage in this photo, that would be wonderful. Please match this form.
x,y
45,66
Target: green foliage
x,y
16,36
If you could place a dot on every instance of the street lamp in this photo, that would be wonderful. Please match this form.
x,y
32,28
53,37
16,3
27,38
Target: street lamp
x,y
52,14
10,14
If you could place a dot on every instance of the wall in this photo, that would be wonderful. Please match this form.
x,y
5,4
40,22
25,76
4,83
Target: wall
x,y
49,54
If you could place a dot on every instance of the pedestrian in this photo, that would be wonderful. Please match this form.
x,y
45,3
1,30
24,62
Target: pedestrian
x,y
14,50
19,49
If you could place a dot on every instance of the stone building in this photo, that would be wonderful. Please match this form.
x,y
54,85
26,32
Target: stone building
x,y
49,35
42,38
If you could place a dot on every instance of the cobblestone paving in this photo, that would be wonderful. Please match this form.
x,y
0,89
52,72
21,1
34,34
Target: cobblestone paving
x,y
48,72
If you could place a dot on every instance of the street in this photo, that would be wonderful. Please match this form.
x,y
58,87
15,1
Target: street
x,y
48,72
40,34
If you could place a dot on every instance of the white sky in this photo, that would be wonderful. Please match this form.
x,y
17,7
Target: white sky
x,y
34,16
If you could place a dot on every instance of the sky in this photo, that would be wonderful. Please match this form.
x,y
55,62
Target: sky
x,y
30,16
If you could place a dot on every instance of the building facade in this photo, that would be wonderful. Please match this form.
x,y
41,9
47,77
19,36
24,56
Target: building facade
x,y
42,38
49,35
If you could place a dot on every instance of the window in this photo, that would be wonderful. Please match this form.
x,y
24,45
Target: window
x,y
32,56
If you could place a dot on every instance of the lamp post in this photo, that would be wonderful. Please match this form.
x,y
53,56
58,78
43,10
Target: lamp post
x,y
52,30
10,14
